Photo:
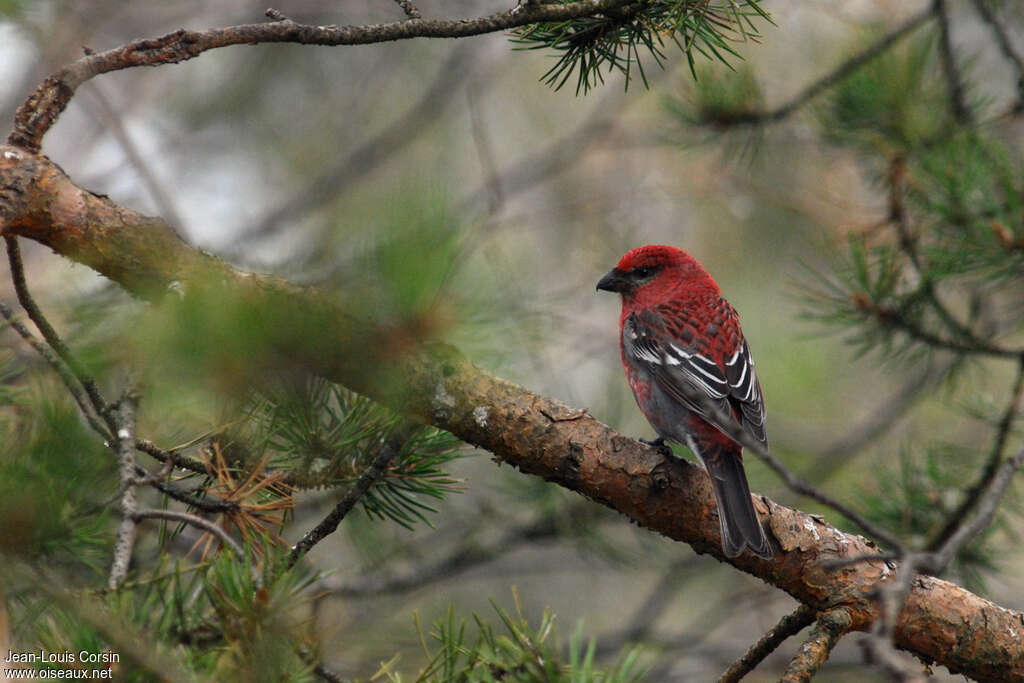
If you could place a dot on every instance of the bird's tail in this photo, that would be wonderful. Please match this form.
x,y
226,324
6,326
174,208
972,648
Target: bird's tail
x,y
740,525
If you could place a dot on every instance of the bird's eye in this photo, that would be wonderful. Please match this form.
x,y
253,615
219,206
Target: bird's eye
x,y
643,272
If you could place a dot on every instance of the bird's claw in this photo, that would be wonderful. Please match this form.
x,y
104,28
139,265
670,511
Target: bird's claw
x,y
660,445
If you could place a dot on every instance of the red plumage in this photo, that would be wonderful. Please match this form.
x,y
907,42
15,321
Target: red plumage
x,y
683,349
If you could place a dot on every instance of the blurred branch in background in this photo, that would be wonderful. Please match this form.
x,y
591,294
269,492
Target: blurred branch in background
x,y
334,182
726,113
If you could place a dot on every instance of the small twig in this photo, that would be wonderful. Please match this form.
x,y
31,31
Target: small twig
x,y
410,9
277,15
159,481
985,511
73,387
194,520
182,461
123,416
829,628
389,451
1005,45
144,478
973,346
789,625
50,334
991,468
954,78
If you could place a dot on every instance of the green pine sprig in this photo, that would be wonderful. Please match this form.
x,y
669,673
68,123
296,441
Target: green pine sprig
x,y
590,47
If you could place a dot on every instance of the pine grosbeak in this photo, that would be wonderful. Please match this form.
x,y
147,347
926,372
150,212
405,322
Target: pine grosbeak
x,y
683,350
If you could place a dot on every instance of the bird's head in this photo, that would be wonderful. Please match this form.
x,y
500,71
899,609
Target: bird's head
x,y
655,273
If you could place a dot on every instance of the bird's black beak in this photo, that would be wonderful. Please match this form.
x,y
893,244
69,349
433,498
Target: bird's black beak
x,y
614,281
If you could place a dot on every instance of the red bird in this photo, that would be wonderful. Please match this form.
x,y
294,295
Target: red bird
x,y
680,340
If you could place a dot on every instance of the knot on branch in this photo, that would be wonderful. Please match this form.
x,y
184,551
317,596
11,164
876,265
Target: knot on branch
x,y
173,47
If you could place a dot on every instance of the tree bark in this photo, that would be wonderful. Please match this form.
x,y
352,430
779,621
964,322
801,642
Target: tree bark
x,y
434,383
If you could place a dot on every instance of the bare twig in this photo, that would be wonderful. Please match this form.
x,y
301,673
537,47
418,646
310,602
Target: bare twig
x,y
893,594
1005,45
389,451
206,503
974,346
829,628
277,15
38,114
50,334
123,416
62,370
789,625
144,478
974,493
194,520
410,9
985,510
954,79
182,461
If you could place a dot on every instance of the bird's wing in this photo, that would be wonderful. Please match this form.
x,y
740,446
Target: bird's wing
x,y
684,373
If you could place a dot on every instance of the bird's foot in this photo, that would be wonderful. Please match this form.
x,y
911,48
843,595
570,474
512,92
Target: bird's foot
x,y
660,445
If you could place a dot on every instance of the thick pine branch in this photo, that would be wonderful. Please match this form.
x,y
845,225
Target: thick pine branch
x,y
940,621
